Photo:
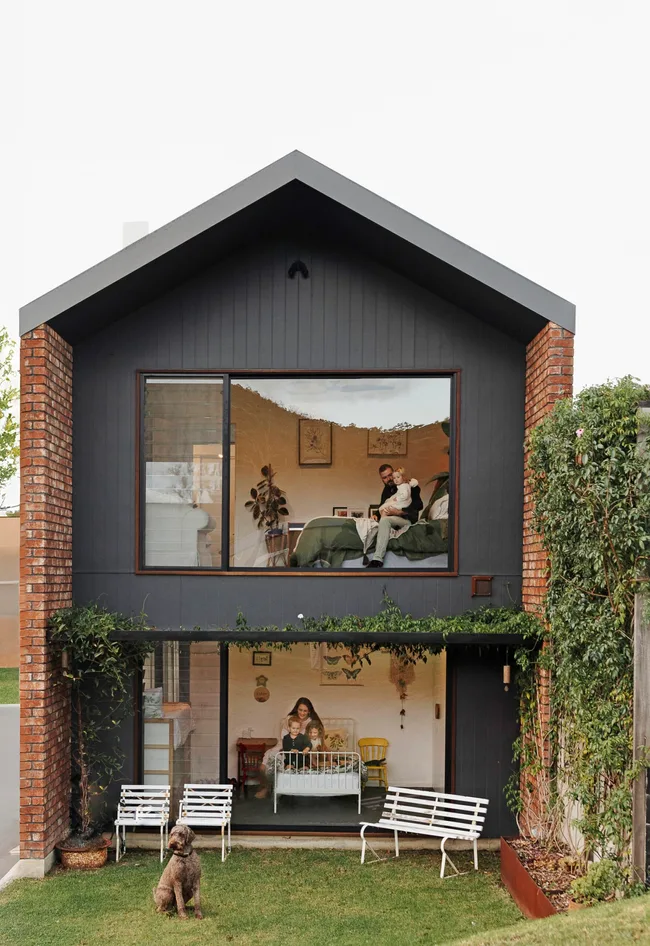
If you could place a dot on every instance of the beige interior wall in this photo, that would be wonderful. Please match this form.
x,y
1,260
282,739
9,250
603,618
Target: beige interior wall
x,y
416,756
267,433
9,572
204,696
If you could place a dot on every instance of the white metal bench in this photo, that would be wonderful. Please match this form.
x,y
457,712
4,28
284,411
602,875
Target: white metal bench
x,y
142,806
430,814
207,806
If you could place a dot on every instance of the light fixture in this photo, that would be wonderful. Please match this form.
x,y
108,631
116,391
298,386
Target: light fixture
x,y
65,660
506,673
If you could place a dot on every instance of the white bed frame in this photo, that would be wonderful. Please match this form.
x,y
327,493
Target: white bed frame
x,y
312,780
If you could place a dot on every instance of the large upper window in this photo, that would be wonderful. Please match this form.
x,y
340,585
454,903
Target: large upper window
x,y
319,473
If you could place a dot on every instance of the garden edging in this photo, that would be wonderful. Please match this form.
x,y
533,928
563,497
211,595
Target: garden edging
x,y
531,899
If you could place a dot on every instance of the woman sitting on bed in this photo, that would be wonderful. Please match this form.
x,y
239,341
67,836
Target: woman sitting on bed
x,y
305,712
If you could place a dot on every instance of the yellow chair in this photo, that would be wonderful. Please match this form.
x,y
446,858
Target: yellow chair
x,y
373,752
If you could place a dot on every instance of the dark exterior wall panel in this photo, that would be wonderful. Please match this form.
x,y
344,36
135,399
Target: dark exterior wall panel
x,y
244,313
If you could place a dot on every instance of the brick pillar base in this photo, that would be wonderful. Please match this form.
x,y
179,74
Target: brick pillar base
x,y
549,378
45,586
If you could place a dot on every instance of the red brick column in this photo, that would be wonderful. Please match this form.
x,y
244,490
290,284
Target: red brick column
x,y
549,378
45,585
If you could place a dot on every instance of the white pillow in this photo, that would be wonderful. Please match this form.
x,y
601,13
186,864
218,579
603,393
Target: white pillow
x,y
153,701
440,509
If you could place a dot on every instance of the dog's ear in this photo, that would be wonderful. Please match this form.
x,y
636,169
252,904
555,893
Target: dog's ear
x,y
190,835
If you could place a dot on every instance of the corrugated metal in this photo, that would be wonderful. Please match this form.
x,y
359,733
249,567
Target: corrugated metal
x,y
245,313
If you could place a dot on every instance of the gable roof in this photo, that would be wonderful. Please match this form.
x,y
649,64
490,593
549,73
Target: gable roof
x,y
301,193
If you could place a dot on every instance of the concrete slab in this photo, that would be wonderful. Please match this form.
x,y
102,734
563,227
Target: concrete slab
x,y
9,784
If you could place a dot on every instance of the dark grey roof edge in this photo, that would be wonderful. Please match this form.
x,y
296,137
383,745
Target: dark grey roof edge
x,y
298,166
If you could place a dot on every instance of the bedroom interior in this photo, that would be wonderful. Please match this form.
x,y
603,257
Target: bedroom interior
x,y
319,442
182,731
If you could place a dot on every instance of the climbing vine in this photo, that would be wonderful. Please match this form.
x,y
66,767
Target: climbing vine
x,y
591,486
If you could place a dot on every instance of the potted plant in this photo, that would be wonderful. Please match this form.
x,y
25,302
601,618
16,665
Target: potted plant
x,y
99,672
267,504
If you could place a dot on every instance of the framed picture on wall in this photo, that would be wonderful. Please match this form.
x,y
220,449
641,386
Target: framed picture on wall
x,y
314,442
358,513
340,511
372,511
387,443
261,658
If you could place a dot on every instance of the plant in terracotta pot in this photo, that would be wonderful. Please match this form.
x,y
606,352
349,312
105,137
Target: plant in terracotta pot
x,y
99,673
267,504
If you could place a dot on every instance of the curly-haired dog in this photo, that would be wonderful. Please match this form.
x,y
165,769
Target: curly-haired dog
x,y
181,879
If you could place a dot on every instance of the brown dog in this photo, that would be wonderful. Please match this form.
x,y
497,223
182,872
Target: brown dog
x,y
181,879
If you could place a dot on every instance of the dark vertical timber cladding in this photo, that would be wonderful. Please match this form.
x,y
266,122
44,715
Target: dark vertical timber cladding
x,y
224,677
244,313
485,726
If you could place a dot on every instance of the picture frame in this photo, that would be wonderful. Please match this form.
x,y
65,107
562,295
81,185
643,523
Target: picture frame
x,y
261,658
372,509
387,443
357,513
314,442
341,511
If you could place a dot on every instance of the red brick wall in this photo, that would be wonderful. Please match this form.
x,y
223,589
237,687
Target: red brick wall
x,y
45,585
549,378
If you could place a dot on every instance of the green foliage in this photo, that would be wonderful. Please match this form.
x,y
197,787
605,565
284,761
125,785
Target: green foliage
x,y
9,449
100,673
592,493
602,880
390,619
267,502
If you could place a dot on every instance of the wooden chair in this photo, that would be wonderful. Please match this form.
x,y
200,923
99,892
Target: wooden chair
x,y
373,753
207,806
251,760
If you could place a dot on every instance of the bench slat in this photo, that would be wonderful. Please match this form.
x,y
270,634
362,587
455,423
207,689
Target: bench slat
x,y
408,804
394,789
405,814
436,812
422,829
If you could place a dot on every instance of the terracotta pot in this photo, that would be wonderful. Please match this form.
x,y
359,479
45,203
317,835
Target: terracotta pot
x,y
83,858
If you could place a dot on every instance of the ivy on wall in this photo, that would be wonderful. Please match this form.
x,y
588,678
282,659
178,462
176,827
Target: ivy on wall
x,y
591,488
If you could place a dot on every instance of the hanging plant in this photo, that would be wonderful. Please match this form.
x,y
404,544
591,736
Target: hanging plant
x,y
402,674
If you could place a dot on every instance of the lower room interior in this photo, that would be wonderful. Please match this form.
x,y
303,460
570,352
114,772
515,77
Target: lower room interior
x,y
401,706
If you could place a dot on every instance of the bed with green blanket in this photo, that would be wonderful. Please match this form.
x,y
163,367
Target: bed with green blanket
x,y
333,542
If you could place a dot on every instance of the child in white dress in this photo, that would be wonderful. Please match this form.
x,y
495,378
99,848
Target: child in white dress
x,y
402,498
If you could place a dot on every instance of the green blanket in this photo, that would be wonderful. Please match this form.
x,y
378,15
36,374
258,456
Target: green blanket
x,y
331,540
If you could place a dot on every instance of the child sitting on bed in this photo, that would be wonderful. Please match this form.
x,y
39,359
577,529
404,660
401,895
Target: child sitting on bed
x,y
316,735
295,745
402,498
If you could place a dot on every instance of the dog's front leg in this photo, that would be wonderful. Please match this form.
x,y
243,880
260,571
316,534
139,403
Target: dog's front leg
x,y
196,894
180,902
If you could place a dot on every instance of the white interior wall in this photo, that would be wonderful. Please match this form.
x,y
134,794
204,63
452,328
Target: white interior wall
x,y
416,756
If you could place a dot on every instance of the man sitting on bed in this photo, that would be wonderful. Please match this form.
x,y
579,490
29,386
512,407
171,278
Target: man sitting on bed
x,y
394,517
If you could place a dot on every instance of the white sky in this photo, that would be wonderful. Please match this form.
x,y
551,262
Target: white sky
x,y
520,128
361,402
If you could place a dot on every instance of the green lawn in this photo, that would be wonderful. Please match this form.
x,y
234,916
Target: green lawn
x,y
8,684
608,925
263,898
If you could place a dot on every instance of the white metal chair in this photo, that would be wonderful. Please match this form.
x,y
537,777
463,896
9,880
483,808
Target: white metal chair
x,y
142,806
207,806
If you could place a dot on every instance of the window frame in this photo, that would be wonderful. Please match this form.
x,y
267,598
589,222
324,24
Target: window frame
x,y
230,375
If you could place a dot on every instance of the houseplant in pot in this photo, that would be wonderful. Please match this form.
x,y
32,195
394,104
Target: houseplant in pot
x,y
267,504
99,672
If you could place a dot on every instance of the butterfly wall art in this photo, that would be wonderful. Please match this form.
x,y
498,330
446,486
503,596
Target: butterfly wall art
x,y
341,668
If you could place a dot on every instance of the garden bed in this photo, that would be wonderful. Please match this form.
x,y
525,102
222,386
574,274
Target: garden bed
x,y
548,870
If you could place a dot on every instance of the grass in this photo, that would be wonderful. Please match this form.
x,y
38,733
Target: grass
x,y
8,684
263,898
608,925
